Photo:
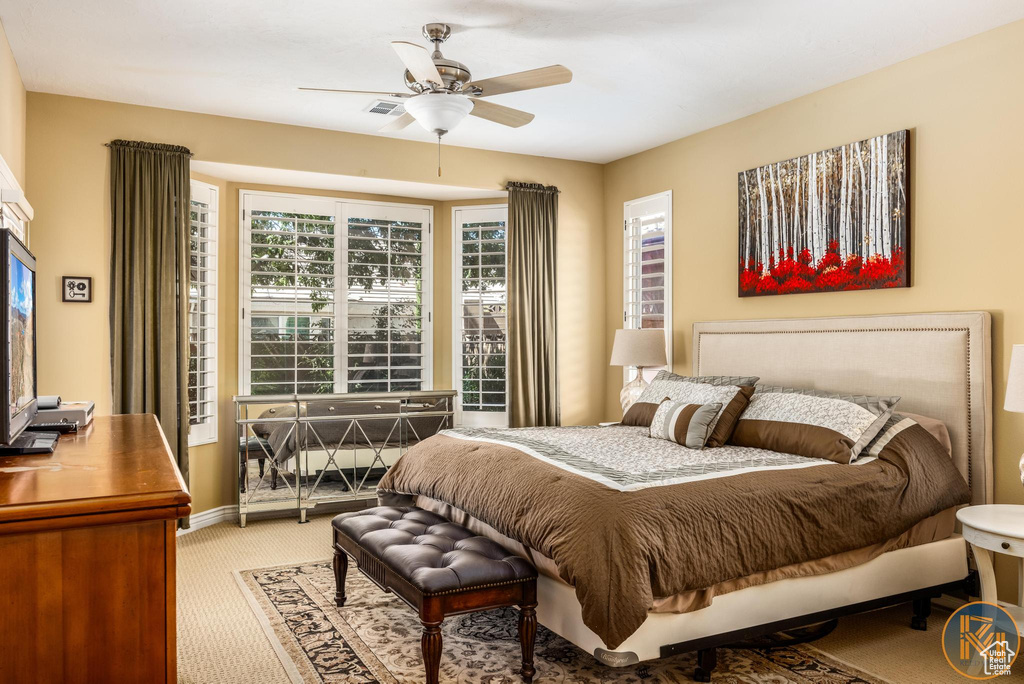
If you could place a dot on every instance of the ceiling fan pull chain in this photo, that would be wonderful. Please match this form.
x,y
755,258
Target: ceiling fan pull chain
x,y
438,155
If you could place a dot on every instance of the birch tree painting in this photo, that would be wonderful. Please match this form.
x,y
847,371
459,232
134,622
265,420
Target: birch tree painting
x,y
827,221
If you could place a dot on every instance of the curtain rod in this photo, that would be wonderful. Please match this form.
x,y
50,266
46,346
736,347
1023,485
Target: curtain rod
x,y
149,147
532,187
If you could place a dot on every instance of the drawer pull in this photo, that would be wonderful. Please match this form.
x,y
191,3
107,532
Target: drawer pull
x,y
1006,545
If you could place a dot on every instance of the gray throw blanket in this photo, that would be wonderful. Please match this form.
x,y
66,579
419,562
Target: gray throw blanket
x,y
286,438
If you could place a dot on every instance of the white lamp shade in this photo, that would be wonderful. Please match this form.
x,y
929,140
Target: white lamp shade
x,y
439,112
1015,381
639,348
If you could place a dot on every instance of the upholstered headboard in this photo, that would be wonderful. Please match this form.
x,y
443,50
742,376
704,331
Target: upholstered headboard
x,y
939,363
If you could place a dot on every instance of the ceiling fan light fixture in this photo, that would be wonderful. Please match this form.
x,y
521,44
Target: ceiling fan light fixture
x,y
439,112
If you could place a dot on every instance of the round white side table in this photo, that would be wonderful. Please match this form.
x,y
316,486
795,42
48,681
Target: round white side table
x,y
996,528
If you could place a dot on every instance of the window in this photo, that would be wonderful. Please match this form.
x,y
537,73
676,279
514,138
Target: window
x,y
479,313
647,256
335,296
202,318
385,251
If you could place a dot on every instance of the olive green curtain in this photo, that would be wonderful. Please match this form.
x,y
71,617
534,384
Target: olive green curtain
x,y
532,332
149,270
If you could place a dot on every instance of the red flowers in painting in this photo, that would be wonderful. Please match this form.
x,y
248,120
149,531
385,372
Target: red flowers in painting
x,y
788,273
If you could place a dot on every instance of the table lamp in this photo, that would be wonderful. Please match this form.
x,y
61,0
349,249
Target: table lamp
x,y
642,348
1015,389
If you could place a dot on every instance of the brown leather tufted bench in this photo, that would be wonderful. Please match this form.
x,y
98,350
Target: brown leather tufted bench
x,y
439,568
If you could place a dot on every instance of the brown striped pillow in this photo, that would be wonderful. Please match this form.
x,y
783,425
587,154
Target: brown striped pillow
x,y
641,413
683,423
812,423
732,398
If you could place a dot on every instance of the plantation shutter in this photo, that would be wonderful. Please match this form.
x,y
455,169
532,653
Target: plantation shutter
x,y
386,300
335,296
480,316
202,315
647,257
291,286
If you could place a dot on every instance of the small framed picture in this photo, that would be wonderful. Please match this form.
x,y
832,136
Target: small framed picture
x,y
76,289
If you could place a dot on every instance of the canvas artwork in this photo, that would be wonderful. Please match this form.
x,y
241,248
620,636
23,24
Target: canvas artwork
x,y
828,221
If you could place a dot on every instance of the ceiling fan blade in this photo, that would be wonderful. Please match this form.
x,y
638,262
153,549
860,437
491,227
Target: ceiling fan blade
x,y
398,124
356,92
417,60
524,80
497,113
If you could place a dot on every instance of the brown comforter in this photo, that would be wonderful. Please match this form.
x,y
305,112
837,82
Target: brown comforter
x,y
620,547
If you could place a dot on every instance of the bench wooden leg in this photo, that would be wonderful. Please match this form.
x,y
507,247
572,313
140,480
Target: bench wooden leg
x,y
430,643
340,570
527,637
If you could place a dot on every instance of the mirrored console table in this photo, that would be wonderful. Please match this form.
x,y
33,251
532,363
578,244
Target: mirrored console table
x,y
299,451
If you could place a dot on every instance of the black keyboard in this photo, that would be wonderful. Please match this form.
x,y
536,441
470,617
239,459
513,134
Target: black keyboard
x,y
63,427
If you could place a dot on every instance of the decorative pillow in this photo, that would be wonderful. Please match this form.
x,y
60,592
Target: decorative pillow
x,y
641,413
682,423
812,423
936,428
733,400
709,379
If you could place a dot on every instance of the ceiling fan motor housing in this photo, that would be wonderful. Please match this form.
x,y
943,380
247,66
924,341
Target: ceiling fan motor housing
x,y
454,74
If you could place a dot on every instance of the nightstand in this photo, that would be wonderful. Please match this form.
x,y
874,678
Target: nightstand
x,y
996,528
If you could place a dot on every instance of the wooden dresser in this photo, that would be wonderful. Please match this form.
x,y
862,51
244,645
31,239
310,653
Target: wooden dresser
x,y
87,563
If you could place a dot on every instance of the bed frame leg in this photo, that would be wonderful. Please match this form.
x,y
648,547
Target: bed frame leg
x,y
707,660
922,609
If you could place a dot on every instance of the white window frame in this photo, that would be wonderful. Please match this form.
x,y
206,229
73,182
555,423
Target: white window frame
x,y
341,209
633,210
461,215
205,432
15,211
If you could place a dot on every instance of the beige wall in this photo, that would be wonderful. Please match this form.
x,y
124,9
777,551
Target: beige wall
x,y
68,169
963,104
12,112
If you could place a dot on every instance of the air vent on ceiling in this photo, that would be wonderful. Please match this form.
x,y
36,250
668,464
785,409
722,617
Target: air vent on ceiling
x,y
385,107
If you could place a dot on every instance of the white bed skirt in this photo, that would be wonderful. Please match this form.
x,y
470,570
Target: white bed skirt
x,y
892,573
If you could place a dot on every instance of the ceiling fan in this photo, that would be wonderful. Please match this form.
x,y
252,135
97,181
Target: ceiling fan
x,y
444,92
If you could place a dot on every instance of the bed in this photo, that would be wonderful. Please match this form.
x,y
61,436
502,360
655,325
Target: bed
x,y
941,367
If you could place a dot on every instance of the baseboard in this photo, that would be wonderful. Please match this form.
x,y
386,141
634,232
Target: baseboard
x,y
198,521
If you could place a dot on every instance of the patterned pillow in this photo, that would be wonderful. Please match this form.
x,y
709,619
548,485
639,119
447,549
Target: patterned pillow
x,y
682,423
934,427
641,413
733,399
812,423
709,379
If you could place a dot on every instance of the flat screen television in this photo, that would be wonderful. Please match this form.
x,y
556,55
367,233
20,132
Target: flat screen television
x,y
18,309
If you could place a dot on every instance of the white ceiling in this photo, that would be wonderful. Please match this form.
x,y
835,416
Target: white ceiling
x,y
646,71
240,173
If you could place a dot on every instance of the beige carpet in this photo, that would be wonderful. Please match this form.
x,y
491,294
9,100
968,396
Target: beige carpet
x,y
220,640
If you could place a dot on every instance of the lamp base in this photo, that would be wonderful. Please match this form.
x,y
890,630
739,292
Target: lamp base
x,y
632,391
